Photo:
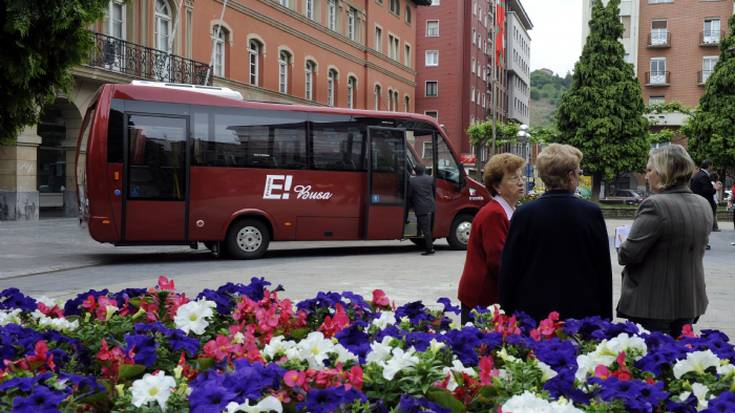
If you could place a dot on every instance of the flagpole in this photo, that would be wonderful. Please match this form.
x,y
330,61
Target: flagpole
x,y
214,40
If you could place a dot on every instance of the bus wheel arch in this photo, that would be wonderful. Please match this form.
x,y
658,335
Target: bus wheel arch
x,y
459,231
248,236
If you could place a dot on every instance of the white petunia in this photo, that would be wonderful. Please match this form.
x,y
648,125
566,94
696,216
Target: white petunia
x,y
314,349
564,406
379,351
586,363
526,403
343,354
153,388
277,345
700,392
48,302
457,367
194,316
10,317
697,361
269,404
725,369
547,372
400,360
386,318
435,346
623,342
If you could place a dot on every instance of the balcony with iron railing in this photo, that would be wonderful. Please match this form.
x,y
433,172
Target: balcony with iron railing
x,y
703,75
658,78
143,62
710,38
659,39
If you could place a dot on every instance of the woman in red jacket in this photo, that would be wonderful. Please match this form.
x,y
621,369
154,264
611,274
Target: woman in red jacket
x,y
503,177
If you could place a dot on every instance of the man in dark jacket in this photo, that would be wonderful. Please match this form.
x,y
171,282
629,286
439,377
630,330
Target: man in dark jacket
x,y
701,184
421,192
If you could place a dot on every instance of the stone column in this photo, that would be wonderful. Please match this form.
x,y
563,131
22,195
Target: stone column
x,y
73,126
18,191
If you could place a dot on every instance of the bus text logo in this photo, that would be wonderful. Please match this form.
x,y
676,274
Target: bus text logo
x,y
279,187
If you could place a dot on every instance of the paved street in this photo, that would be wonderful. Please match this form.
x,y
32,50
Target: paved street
x,y
57,258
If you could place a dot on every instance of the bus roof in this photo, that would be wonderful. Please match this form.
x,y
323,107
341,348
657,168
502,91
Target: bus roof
x,y
144,92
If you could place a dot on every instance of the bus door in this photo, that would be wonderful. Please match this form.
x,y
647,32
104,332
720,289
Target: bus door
x,y
420,146
155,181
386,187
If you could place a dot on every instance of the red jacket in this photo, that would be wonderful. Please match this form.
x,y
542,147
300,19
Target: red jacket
x,y
479,282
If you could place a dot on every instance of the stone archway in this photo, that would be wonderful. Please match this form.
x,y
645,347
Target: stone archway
x,y
58,129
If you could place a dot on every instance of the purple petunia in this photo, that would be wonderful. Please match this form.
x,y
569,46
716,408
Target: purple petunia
x,y
725,402
144,347
330,400
41,400
638,396
12,298
411,404
353,338
72,306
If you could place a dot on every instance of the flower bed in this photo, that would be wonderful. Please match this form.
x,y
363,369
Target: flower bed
x,y
242,348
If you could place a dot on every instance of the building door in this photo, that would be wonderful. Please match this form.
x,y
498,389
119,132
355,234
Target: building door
x,y
386,187
156,179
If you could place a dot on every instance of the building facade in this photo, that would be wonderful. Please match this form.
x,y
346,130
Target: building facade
x,y
518,45
347,53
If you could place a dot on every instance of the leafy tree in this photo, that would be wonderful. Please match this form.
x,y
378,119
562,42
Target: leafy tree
x,y
711,130
602,112
481,133
41,41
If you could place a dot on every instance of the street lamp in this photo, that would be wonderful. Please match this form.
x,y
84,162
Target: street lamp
x,y
525,138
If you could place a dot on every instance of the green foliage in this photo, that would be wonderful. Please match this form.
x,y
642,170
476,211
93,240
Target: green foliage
x,y
711,130
481,133
602,112
664,135
668,107
546,92
41,41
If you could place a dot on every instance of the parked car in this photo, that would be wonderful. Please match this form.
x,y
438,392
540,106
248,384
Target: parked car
x,y
627,196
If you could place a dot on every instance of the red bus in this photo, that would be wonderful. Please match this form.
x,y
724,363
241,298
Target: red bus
x,y
165,165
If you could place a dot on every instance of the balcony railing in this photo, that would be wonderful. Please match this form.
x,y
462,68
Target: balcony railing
x,y
659,39
703,75
657,78
147,63
710,38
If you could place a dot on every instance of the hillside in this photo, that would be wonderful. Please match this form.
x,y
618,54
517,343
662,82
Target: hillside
x,y
546,91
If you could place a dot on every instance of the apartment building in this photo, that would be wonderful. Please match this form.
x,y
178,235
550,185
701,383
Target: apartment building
x,y
346,53
518,44
456,51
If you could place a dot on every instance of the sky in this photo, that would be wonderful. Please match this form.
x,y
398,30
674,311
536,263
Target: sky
x,y
557,33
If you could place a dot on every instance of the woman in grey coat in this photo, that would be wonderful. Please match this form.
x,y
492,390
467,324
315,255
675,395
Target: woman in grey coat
x,y
663,280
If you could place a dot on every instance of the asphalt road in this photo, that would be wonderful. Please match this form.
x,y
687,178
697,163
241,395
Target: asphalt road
x,y
57,258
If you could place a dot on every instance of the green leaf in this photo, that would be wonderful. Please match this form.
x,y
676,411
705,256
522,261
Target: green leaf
x,y
204,363
130,371
445,399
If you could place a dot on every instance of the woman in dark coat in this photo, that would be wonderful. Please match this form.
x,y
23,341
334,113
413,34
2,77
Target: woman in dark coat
x,y
503,177
663,280
557,254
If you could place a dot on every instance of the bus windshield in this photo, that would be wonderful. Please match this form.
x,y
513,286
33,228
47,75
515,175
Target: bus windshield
x,y
81,168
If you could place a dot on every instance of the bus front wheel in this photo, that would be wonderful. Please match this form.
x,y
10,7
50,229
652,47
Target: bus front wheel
x,y
459,234
248,239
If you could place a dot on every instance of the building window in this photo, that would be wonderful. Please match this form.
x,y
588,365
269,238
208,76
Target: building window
x,y
376,97
659,1
711,33
284,3
408,14
432,28
351,89
435,2
378,39
474,37
656,100
331,87
406,104
433,113
432,88
284,61
659,32
116,15
254,49
219,50
472,94
162,27
708,67
658,71
407,55
351,23
396,97
472,65
395,6
332,14
431,58
310,71
390,101
426,150
393,47
309,9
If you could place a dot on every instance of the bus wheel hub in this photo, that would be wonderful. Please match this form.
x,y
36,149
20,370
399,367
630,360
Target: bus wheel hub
x,y
249,239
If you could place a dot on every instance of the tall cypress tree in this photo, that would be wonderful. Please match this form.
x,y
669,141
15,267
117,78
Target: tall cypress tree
x,y
602,112
711,130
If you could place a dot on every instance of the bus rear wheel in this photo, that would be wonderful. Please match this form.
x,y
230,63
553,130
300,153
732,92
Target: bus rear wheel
x,y
248,239
459,233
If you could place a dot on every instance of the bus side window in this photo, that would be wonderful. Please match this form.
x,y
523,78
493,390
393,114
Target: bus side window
x,y
338,146
115,136
447,167
420,144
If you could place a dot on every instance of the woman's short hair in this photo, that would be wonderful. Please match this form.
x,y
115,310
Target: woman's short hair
x,y
673,165
496,168
555,162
